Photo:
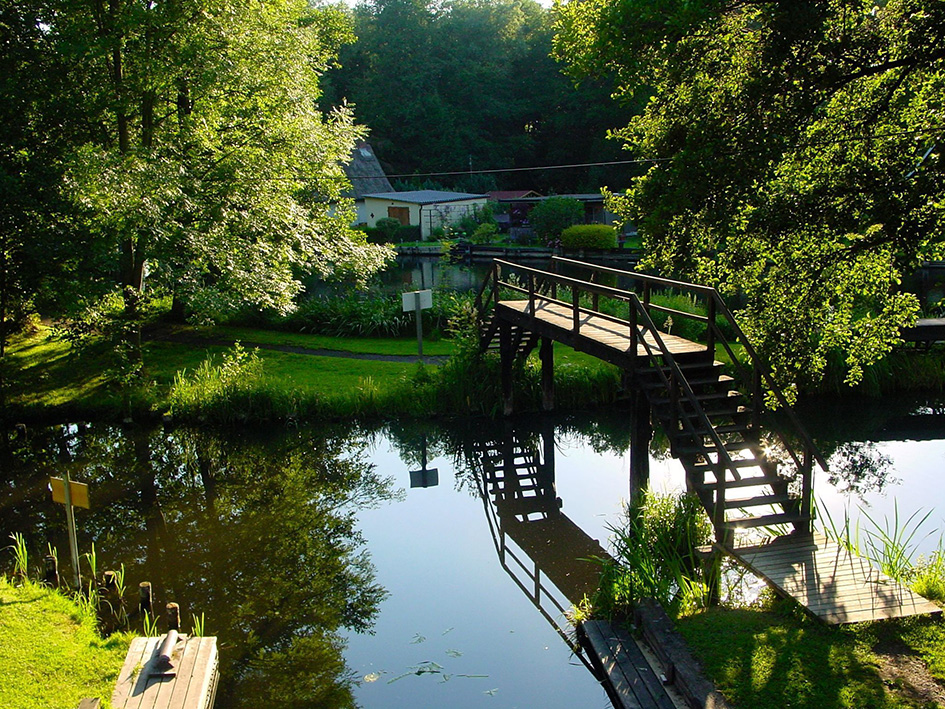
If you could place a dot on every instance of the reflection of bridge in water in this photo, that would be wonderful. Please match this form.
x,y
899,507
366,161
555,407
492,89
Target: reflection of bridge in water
x,y
546,554
746,475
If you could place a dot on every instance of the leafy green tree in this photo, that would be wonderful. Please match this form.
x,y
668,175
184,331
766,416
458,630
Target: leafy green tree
x,y
468,85
208,164
553,215
795,151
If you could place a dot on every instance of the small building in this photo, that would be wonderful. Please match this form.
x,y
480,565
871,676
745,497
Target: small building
x,y
428,209
366,176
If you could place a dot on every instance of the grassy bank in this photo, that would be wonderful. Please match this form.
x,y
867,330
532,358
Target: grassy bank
x,y
195,378
64,659
773,653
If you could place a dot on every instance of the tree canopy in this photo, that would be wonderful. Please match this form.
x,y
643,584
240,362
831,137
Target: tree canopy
x,y
194,149
795,157
470,85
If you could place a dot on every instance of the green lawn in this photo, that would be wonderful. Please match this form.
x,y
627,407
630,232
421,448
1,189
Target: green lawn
x,y
52,654
777,657
363,345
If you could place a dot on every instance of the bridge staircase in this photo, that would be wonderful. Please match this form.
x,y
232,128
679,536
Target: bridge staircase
x,y
745,475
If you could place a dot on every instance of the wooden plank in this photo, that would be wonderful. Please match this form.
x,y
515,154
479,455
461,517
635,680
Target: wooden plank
x,y
633,683
125,696
830,582
189,684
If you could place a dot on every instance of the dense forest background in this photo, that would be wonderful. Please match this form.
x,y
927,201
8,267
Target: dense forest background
x,y
470,85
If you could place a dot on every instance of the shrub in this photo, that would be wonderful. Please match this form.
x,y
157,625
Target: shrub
x,y
484,233
589,236
407,233
553,215
388,227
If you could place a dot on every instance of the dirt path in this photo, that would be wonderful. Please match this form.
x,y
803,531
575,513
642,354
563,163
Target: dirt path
x,y
194,340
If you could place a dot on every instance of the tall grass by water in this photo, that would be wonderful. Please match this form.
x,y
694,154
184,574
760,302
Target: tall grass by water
x,y
891,545
655,556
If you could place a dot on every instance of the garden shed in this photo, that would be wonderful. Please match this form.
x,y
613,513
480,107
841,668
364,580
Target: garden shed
x,y
428,209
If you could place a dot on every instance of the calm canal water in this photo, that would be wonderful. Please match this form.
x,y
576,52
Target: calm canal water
x,y
337,568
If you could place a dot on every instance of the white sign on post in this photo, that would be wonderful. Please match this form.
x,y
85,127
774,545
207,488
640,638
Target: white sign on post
x,y
410,300
416,301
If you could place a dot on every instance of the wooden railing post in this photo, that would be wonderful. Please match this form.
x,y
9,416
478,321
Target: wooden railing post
x,y
710,334
576,309
807,488
531,294
634,344
756,397
495,281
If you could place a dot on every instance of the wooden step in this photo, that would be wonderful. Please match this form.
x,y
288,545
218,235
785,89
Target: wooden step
x,y
744,482
737,463
760,500
705,397
766,520
731,446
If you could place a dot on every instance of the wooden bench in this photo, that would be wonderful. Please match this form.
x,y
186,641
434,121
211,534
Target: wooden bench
x,y
626,675
189,682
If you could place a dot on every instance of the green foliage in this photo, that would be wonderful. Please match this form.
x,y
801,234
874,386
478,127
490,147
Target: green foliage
x,y
484,234
236,389
388,227
440,54
775,657
794,157
553,215
589,236
655,555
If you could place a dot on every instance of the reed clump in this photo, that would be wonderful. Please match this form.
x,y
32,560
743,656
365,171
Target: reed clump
x,y
655,556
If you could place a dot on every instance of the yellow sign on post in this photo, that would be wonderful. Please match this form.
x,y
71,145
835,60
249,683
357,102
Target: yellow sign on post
x,y
80,492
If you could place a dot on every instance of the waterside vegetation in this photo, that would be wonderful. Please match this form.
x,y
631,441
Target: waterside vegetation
x,y
773,649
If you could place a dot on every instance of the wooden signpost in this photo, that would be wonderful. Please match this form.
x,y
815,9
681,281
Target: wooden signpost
x,y
416,301
71,494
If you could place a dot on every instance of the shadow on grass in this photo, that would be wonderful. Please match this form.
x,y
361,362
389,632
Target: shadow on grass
x,y
768,659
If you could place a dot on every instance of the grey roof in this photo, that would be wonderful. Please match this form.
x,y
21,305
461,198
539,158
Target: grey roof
x,y
426,196
365,173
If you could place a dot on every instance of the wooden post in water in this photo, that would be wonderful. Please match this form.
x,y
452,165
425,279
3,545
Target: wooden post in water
x,y
51,571
506,356
145,601
641,431
546,354
172,615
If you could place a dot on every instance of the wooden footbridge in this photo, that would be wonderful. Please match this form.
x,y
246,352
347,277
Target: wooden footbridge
x,y
744,475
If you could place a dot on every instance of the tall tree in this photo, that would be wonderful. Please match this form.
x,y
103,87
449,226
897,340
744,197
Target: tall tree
x,y
796,156
208,162
470,85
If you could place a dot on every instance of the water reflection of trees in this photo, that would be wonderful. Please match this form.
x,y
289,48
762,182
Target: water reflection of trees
x,y
859,467
256,532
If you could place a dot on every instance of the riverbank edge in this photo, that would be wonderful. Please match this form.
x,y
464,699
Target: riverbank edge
x,y
416,393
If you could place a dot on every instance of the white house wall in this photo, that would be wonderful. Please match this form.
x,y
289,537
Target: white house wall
x,y
428,216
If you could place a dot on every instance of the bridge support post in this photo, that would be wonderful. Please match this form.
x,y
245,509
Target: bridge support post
x,y
507,356
641,431
546,354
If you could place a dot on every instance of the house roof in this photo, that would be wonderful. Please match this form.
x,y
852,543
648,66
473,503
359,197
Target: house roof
x,y
365,172
426,196
501,195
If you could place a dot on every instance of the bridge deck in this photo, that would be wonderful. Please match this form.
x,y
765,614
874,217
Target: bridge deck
x,y
834,585
595,329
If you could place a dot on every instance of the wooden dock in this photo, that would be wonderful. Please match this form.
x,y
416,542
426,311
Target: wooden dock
x,y
601,335
189,683
830,582
628,678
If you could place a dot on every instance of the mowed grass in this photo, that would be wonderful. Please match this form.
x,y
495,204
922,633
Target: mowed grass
x,y
64,659
777,657
361,345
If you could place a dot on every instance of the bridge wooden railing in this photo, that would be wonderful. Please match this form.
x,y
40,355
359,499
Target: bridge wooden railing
x,y
748,368
755,376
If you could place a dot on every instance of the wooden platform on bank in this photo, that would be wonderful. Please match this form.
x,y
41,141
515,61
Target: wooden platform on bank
x,y
191,682
627,676
830,582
